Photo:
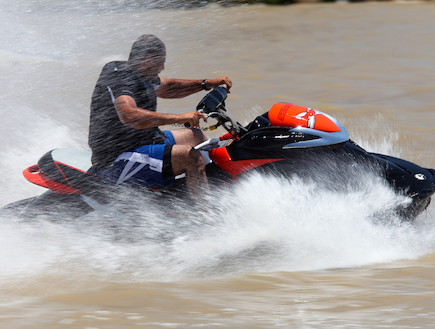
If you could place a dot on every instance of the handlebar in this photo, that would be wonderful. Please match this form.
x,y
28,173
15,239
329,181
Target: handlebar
x,y
213,101
213,105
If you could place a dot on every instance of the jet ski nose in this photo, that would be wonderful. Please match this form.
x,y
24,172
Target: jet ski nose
x,y
432,179
432,171
428,180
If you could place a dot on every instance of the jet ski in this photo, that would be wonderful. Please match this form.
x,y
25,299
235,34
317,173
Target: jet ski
x,y
289,140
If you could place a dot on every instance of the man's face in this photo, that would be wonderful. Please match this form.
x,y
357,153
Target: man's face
x,y
150,67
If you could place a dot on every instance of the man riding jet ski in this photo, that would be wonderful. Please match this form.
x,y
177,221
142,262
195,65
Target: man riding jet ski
x,y
127,145
288,140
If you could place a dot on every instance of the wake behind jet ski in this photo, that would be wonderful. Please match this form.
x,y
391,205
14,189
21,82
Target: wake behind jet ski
x,y
288,140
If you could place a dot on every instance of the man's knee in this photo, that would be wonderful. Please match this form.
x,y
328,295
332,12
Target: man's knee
x,y
190,137
198,135
194,136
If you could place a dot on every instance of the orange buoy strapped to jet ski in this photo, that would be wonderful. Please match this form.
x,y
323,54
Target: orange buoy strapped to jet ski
x,y
290,115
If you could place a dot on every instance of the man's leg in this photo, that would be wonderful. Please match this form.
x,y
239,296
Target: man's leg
x,y
187,160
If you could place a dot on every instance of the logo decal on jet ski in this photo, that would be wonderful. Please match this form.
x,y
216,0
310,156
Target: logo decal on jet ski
x,y
420,176
308,116
283,112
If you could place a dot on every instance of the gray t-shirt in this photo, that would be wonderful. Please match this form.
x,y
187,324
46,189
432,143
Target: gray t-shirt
x,y
108,137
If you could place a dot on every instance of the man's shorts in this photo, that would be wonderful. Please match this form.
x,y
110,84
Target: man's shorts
x,y
146,166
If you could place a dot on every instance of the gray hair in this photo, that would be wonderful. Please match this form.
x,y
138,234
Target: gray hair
x,y
146,45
